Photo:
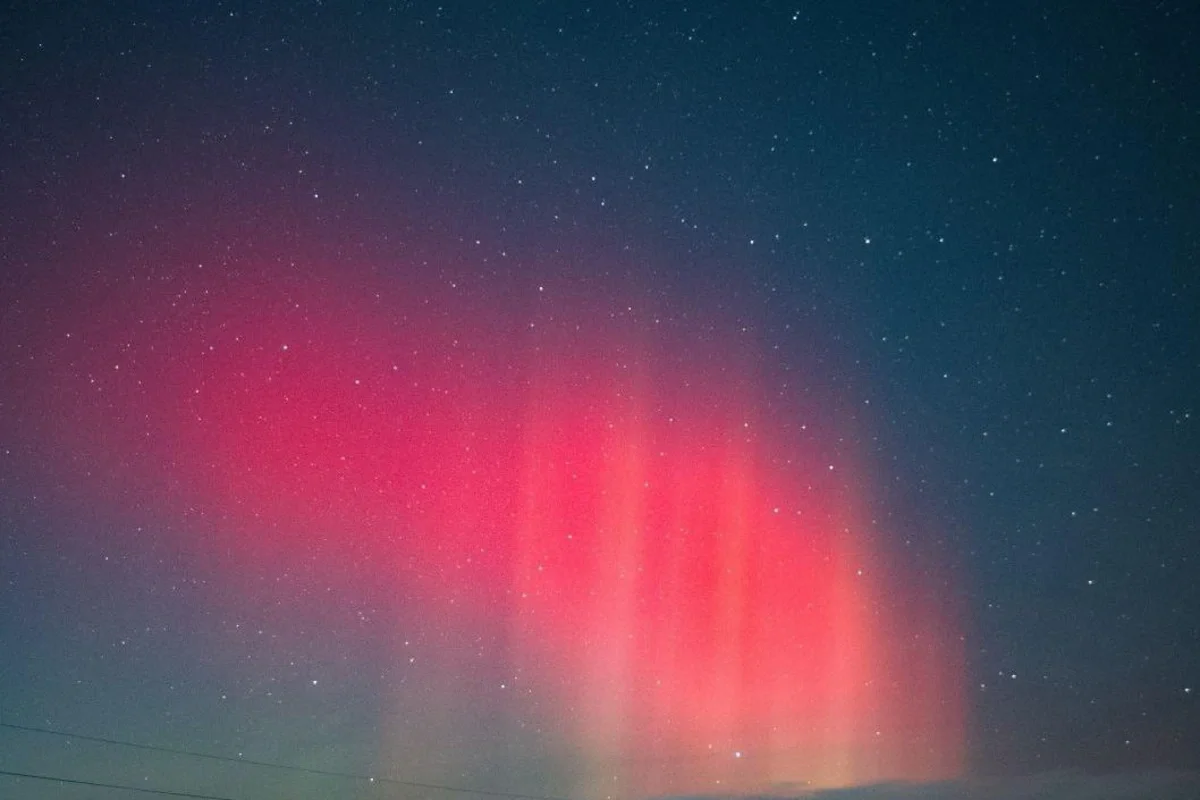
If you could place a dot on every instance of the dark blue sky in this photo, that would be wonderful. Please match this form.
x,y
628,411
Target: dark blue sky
x,y
959,241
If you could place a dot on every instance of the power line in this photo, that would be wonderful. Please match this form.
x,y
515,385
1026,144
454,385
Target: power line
x,y
272,765
120,786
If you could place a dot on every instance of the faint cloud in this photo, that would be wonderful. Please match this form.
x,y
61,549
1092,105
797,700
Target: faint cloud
x,y
1151,785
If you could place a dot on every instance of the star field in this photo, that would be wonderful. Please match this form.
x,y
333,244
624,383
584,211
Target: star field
x,y
599,401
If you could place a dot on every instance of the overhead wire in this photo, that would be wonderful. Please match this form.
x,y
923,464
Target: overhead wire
x,y
118,786
274,765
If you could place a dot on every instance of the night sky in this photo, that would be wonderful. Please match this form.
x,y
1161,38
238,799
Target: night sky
x,y
600,401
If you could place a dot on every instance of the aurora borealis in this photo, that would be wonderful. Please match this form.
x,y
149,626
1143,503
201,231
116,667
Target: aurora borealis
x,y
589,402
640,534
